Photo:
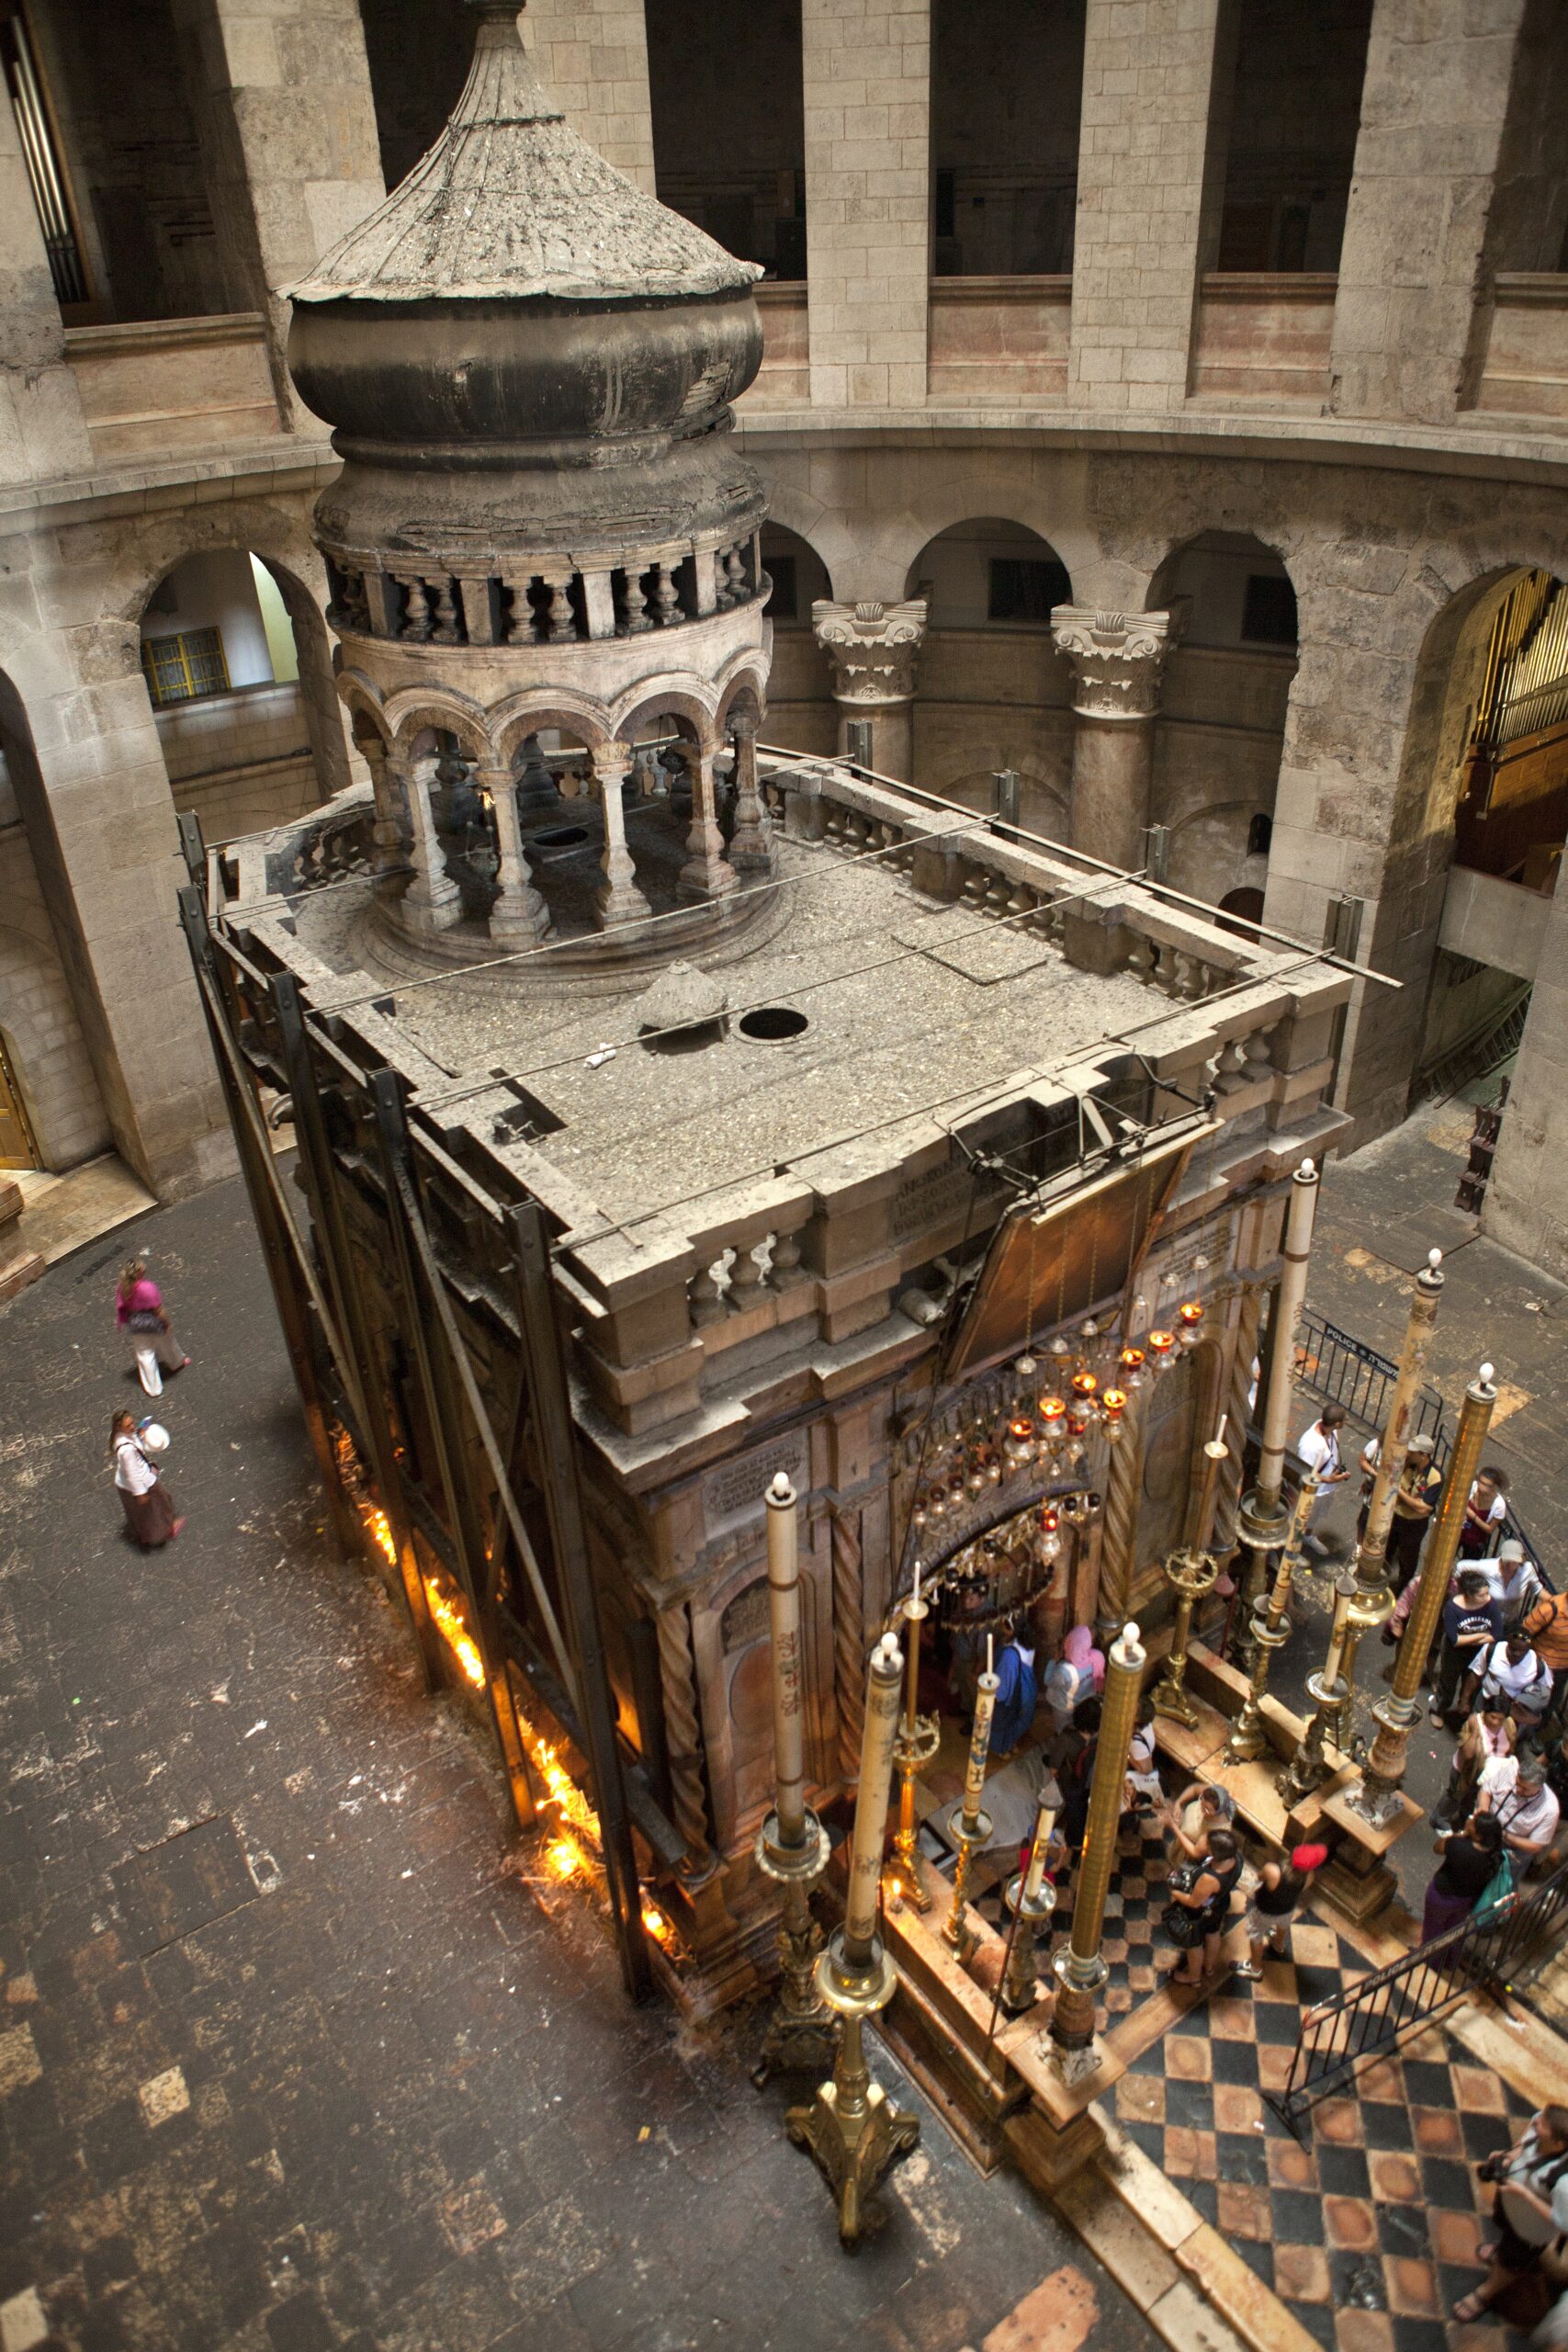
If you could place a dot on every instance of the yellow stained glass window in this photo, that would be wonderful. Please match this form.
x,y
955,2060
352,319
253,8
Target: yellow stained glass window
x,y
181,667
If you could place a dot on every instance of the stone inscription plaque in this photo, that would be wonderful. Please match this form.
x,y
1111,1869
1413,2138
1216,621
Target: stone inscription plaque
x,y
736,1489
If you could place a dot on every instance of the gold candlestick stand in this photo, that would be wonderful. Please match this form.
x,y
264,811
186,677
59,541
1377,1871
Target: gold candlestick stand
x,y
1330,1695
852,2128
971,1829
918,1739
1249,1740
1080,1971
1379,1797
1262,1521
1190,1574
792,1845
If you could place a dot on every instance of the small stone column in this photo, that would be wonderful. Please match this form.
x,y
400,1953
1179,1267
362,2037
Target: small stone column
x,y
518,916
1117,662
873,649
389,830
432,900
706,874
752,844
620,901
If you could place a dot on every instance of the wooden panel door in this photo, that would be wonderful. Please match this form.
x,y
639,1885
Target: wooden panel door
x,y
17,1146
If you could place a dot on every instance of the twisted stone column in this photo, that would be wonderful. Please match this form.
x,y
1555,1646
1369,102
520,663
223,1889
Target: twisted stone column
x,y
848,1637
873,649
1249,1317
518,917
432,900
750,847
706,872
620,901
1117,662
682,1736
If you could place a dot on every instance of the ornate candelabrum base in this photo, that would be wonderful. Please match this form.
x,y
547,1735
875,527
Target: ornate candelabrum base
x,y
912,1749
1070,2042
1190,1575
852,2126
802,2032
1305,1769
1020,1981
958,1936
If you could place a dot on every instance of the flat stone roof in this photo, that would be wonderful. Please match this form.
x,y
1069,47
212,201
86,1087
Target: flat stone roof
x,y
906,1004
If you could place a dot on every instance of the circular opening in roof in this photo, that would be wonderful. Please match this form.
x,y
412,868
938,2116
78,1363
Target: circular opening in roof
x,y
772,1023
562,836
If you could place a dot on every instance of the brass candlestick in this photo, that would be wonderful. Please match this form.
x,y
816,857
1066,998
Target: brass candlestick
x,y
1330,1695
971,1828
1262,1520
1032,1900
918,1741
792,1845
852,2128
1080,1971
1191,1575
1248,1739
1379,1796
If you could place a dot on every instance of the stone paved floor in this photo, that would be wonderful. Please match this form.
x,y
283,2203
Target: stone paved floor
x,y
294,2050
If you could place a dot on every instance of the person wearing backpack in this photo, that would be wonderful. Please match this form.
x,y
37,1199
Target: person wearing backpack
x,y
1018,1695
1530,2206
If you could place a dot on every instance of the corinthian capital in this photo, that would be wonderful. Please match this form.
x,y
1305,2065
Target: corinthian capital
x,y
1116,657
873,649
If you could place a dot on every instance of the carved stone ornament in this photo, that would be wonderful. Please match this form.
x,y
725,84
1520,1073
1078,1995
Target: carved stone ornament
x,y
873,649
1117,659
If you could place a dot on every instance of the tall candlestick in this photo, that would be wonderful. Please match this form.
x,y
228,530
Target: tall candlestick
x,y
918,1739
871,1802
784,1614
972,1827
1344,1593
980,1744
1044,1829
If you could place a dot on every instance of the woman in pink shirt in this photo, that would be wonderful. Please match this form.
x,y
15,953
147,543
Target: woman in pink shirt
x,y
139,1312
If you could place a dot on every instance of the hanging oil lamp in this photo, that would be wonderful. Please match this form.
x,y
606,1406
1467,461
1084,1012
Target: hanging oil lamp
x,y
1189,1322
1161,1350
1050,1538
1130,1364
1020,1438
1112,1404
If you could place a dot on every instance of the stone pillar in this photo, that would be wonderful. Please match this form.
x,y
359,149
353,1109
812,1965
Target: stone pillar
x,y
706,874
1117,660
873,649
866,65
287,131
592,56
1434,111
432,900
1526,1207
388,833
620,901
518,916
751,845
1157,74
41,430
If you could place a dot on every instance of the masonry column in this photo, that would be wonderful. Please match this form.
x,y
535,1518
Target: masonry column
x,y
706,874
517,917
1526,1207
873,649
432,900
620,901
1156,84
1117,665
867,73
41,430
287,129
1434,111
592,56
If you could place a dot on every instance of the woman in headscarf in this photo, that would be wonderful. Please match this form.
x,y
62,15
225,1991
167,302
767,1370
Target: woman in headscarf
x,y
139,1311
150,1509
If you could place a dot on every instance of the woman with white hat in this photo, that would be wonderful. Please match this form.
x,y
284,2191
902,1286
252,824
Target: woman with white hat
x,y
151,1512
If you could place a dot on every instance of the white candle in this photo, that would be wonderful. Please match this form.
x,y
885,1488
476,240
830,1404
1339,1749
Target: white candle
x,y
1044,1825
783,1609
916,1584
883,1678
990,1654
979,1746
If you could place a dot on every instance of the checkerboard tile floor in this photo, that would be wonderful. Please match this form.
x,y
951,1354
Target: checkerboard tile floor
x,y
1368,2232
1132,1945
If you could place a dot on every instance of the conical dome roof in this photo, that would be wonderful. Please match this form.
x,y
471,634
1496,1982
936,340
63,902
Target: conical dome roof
x,y
510,203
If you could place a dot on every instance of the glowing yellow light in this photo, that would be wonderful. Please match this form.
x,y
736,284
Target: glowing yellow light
x,y
656,1925
454,1633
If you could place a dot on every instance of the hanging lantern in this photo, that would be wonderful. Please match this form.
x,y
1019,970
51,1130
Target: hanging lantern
x,y
1052,1418
1131,1364
1112,1404
937,1507
1189,1322
917,1516
1161,1347
1085,1386
1026,1369
993,1467
1049,1539
1059,1346
1020,1438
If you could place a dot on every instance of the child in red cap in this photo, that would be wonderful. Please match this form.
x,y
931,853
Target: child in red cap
x,y
1282,1887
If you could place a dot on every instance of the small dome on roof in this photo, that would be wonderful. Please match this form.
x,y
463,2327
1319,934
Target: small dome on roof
x,y
510,203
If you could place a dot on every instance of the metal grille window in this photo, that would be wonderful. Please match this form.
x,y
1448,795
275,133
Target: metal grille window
x,y
179,668
46,174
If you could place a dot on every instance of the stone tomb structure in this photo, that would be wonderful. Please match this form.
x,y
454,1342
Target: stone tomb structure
x,y
759,1050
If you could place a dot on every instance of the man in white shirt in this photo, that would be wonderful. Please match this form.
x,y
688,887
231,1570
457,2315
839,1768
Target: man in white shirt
x,y
1528,1813
1511,1579
1317,1450
1513,1679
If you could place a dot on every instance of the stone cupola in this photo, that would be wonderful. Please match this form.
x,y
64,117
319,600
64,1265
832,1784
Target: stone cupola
x,y
542,530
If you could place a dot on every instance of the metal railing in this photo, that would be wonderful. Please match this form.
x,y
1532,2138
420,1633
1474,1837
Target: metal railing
x,y
1345,1371
1485,1049
1370,2019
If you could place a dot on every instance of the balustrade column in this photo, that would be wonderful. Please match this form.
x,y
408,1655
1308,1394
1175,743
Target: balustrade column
x,y
389,830
751,845
620,901
432,900
706,874
873,649
1117,662
518,916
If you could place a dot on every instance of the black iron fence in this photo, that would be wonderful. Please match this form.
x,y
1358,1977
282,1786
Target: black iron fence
x,y
1371,2019
1344,1371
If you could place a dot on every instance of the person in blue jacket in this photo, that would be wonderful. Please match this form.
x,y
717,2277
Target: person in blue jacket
x,y
1017,1697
